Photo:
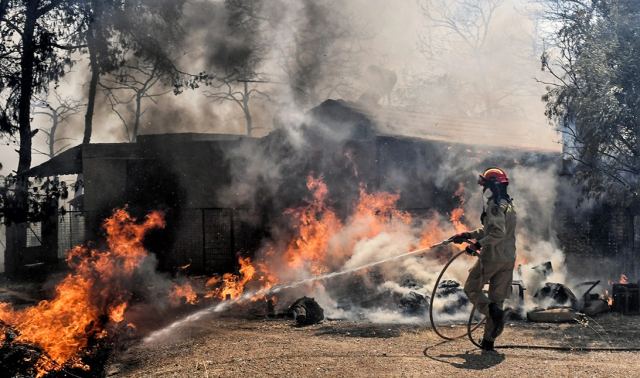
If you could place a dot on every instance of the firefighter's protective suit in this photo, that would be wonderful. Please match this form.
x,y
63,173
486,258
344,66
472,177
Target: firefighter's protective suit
x,y
496,262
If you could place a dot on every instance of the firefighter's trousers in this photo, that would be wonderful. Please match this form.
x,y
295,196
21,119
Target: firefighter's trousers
x,y
499,276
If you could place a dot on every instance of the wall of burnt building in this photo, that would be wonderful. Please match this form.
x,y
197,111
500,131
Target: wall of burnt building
x,y
178,175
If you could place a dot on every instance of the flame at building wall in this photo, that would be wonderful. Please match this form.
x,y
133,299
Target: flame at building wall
x,y
322,243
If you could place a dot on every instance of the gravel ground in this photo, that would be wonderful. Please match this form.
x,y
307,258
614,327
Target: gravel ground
x,y
215,346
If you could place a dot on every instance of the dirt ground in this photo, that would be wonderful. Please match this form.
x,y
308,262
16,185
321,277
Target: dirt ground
x,y
219,346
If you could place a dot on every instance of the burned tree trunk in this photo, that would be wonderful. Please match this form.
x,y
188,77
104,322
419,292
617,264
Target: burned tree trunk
x,y
93,87
26,85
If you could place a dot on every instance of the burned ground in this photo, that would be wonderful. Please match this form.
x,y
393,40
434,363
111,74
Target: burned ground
x,y
225,346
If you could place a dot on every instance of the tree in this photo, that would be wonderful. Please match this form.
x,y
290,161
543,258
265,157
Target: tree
x,y
99,56
58,111
236,62
135,82
472,58
469,20
594,60
35,37
116,33
227,90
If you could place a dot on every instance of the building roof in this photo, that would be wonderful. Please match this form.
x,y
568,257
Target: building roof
x,y
70,161
66,163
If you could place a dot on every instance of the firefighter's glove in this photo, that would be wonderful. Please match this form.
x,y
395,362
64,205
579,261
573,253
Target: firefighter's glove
x,y
473,249
461,237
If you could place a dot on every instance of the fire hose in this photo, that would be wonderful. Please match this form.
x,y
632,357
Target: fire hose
x,y
471,328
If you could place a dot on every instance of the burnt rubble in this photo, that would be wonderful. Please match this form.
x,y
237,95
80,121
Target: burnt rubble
x,y
556,294
554,314
453,294
414,303
19,359
306,311
626,298
592,303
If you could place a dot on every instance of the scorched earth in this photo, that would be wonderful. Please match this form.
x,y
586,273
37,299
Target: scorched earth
x,y
225,346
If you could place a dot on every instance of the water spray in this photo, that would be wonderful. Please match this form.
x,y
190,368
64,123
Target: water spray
x,y
327,276
278,288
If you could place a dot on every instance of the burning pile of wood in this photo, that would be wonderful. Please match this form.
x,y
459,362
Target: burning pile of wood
x,y
73,329
319,241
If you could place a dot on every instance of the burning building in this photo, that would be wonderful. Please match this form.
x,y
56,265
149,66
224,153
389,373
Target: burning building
x,y
222,194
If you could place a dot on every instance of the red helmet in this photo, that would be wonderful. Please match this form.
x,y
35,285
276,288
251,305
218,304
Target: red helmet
x,y
496,175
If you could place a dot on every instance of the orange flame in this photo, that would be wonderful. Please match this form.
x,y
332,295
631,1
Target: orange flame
x,y
322,242
183,292
116,313
231,286
608,298
378,211
458,213
433,233
316,225
62,326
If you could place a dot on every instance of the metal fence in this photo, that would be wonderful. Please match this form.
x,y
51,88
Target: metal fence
x,y
34,234
207,238
217,239
71,231
225,234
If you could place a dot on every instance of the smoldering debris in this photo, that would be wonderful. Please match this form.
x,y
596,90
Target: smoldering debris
x,y
414,303
626,298
556,294
453,296
23,359
544,269
306,311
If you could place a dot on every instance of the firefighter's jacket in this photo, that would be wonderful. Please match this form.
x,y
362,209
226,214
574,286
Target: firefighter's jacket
x,y
497,236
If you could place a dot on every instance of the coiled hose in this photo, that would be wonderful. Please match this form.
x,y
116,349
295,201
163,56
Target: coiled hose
x,y
471,327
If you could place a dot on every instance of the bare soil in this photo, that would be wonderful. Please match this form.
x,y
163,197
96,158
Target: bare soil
x,y
224,346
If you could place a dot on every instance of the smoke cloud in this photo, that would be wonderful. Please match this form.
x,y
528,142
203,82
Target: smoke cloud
x,y
371,52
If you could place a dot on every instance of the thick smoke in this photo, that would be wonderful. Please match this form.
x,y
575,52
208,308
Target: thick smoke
x,y
369,51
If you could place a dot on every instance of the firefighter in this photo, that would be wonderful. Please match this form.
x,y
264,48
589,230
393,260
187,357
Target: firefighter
x,y
495,244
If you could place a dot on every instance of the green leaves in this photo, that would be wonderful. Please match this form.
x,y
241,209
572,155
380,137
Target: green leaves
x,y
43,195
598,69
